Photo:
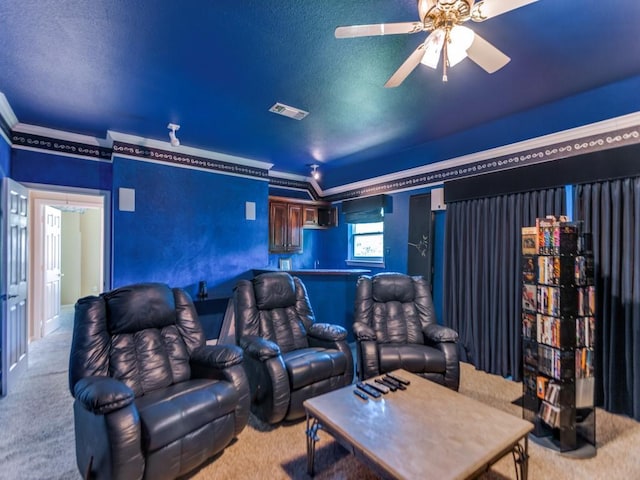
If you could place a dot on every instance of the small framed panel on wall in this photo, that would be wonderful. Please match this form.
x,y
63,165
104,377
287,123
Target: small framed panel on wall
x,y
284,263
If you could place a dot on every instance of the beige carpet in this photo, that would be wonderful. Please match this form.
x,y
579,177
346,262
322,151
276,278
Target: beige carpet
x,y
37,439
280,452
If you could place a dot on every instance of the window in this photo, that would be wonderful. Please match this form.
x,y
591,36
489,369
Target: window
x,y
366,242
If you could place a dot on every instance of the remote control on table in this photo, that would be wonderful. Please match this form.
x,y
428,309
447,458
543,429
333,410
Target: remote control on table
x,y
368,389
360,394
399,379
397,384
381,388
390,386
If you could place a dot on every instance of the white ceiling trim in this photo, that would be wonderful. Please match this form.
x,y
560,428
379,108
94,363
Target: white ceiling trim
x,y
598,128
60,135
196,152
7,112
289,176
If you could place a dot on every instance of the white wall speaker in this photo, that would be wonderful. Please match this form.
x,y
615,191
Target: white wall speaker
x,y
437,199
127,197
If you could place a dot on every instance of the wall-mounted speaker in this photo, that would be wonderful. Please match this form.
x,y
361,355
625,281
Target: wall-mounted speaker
x,y
437,199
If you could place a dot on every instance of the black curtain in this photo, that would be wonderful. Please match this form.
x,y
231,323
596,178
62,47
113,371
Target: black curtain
x,y
483,275
611,212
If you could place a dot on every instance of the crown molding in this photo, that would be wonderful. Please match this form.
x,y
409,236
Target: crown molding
x,y
184,150
613,125
62,135
6,112
294,182
7,119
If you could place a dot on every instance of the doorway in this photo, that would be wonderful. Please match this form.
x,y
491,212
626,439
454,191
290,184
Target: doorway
x,y
69,251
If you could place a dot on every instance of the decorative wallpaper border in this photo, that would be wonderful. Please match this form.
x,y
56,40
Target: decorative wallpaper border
x,y
60,146
300,185
187,160
602,141
593,143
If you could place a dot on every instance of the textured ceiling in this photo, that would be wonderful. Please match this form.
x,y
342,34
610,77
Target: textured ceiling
x,y
215,68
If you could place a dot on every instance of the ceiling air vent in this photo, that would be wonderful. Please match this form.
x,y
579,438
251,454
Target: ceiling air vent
x,y
287,111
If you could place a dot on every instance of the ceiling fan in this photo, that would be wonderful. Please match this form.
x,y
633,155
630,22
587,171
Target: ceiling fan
x,y
448,39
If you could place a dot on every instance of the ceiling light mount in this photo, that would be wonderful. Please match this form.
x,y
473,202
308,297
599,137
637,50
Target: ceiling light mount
x,y
315,173
175,142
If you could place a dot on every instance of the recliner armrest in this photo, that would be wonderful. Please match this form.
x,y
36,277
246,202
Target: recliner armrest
x,y
439,333
327,331
363,332
217,356
259,347
102,395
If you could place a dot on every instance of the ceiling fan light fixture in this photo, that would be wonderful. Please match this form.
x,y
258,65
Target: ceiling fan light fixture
x,y
444,19
315,173
433,47
460,39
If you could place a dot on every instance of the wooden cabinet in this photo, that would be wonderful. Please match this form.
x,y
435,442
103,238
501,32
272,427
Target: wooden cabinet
x,y
310,216
288,218
320,216
285,227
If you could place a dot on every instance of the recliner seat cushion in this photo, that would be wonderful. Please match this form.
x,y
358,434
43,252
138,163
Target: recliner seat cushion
x,y
310,365
283,327
411,357
150,359
169,414
397,322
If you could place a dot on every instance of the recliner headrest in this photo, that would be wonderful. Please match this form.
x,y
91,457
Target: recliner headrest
x,y
388,287
274,290
141,306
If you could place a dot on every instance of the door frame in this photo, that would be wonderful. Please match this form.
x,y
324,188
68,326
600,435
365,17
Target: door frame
x,y
39,196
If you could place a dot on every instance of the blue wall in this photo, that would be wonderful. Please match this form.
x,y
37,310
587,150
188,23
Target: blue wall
x,y
5,155
334,243
312,246
51,169
188,225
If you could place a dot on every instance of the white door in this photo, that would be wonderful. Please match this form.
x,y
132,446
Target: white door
x,y
15,335
52,273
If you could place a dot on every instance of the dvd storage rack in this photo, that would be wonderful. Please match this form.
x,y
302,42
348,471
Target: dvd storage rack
x,y
558,323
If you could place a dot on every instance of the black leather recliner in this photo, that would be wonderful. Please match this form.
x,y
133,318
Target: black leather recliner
x,y
288,357
395,327
152,400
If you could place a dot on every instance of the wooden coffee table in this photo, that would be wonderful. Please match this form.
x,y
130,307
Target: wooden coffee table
x,y
426,429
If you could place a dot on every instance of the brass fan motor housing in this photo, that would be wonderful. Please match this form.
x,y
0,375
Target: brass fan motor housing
x,y
437,13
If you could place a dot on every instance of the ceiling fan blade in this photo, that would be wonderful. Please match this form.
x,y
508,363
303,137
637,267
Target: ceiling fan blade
x,y
486,55
406,68
378,29
485,9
